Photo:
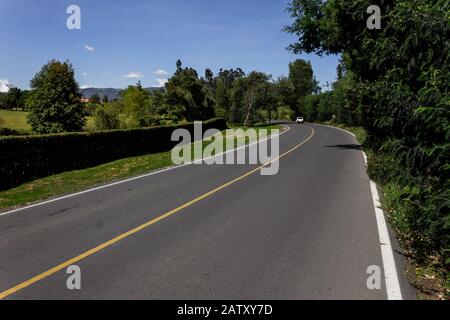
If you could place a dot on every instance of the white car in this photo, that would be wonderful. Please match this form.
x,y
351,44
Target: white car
x,y
299,120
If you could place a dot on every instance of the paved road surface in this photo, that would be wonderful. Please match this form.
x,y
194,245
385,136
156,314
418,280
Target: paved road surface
x,y
308,232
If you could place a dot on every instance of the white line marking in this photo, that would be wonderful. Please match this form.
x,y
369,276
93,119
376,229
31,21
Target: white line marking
x,y
324,125
137,177
393,289
390,270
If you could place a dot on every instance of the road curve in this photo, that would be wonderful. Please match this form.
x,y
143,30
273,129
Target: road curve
x,y
308,232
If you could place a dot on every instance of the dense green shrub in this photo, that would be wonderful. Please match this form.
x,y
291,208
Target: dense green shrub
x,y
26,158
106,119
400,89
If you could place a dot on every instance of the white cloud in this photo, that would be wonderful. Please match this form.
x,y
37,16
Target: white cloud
x,y
161,82
161,72
85,86
134,75
89,48
4,85
85,74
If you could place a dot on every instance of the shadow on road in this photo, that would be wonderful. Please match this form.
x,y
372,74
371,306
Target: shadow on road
x,y
346,146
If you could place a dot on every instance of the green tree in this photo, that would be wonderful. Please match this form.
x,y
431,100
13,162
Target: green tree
x,y
105,99
106,117
223,85
399,76
138,106
54,102
285,92
250,95
302,78
187,98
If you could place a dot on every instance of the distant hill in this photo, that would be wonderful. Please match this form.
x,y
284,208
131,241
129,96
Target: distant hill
x,y
111,93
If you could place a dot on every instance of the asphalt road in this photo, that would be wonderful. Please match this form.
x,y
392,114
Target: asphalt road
x,y
308,232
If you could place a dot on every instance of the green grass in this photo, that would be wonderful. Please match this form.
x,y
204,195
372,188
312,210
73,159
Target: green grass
x,y
14,120
77,180
17,120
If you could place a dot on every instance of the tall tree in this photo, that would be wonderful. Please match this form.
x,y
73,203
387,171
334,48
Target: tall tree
x,y
250,95
286,93
186,96
138,106
54,102
302,77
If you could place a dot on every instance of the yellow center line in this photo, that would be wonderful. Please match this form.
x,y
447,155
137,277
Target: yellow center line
x,y
122,236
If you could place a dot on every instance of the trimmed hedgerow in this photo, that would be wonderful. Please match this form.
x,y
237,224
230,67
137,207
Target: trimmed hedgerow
x,y
26,158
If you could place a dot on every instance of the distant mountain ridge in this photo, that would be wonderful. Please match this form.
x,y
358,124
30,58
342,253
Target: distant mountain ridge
x,y
111,93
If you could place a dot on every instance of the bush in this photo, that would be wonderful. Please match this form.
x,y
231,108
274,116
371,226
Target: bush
x,y
105,120
417,205
30,157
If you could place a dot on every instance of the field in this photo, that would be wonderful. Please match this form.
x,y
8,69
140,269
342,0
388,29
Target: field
x,y
14,120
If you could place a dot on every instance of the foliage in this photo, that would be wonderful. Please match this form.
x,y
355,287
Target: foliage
x,y
29,157
54,102
186,97
106,118
397,88
302,78
137,107
13,99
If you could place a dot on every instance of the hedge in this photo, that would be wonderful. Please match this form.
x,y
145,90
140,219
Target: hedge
x,y
25,158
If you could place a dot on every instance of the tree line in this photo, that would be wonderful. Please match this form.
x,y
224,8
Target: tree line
x,y
55,104
14,99
394,82
232,94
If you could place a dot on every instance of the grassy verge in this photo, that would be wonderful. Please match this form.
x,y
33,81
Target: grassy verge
x,y
425,269
73,181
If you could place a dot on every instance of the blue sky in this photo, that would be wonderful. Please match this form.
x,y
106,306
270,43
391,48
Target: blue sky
x,y
121,41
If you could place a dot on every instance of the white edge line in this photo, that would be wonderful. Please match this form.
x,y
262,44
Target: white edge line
x,y
393,289
325,125
390,270
139,177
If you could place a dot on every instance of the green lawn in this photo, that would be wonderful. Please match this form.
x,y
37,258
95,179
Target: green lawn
x,y
73,181
17,120
14,120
